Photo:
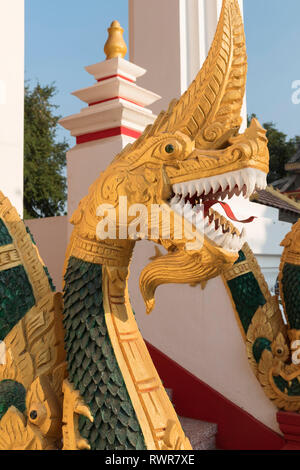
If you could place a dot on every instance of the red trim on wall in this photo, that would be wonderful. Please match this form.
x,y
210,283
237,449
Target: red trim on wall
x,y
116,98
289,424
113,76
237,429
90,137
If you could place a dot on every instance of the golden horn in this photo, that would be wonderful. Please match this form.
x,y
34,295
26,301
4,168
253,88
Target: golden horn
x,y
211,107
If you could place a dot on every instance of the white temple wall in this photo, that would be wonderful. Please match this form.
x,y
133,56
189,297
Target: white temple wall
x,y
11,100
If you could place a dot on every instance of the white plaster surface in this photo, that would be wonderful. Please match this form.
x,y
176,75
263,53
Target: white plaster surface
x,y
198,330
11,100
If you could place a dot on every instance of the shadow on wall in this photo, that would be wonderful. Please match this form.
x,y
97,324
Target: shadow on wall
x,y
50,235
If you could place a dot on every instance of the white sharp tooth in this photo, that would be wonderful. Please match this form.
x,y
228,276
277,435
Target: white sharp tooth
x,y
176,188
214,184
252,180
239,244
250,190
184,190
199,188
245,182
230,181
236,243
265,183
191,188
243,234
175,200
262,181
227,239
249,177
223,182
207,186
231,243
219,231
258,181
238,180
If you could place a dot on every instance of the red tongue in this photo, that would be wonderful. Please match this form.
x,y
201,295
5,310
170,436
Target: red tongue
x,y
229,213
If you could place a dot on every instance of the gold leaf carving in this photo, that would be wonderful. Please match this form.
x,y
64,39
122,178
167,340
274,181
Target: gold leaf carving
x,y
73,406
16,435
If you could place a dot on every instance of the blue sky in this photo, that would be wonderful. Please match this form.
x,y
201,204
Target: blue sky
x,y
62,37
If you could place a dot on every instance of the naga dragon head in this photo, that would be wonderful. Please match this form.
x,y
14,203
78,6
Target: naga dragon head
x,y
192,157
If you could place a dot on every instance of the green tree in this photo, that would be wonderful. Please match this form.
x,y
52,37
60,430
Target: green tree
x,y
44,157
281,149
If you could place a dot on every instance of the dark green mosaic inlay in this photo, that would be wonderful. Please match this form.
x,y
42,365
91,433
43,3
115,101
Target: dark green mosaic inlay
x,y
52,286
5,238
16,298
30,234
246,295
93,368
260,344
242,257
292,390
291,293
11,394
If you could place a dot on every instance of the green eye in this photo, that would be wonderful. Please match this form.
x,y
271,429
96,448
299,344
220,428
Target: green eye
x,y
169,148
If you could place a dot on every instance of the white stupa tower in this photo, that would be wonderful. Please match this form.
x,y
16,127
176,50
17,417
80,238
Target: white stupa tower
x,y
114,114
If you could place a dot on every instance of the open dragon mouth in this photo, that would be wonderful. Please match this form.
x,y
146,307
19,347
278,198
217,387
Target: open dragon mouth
x,y
190,197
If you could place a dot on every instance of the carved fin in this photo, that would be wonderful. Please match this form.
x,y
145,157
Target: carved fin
x,y
210,110
212,104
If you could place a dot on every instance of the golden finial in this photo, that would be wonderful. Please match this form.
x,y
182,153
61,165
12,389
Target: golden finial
x,y
115,45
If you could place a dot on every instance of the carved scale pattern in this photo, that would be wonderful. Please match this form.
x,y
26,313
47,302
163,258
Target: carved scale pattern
x,y
92,365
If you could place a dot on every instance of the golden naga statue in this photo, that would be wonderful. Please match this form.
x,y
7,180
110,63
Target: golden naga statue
x,y
75,372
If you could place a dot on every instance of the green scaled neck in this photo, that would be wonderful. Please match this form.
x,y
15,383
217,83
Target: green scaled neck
x,y
92,365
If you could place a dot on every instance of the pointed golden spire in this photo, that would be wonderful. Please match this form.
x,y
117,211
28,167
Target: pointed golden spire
x,y
210,110
115,45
